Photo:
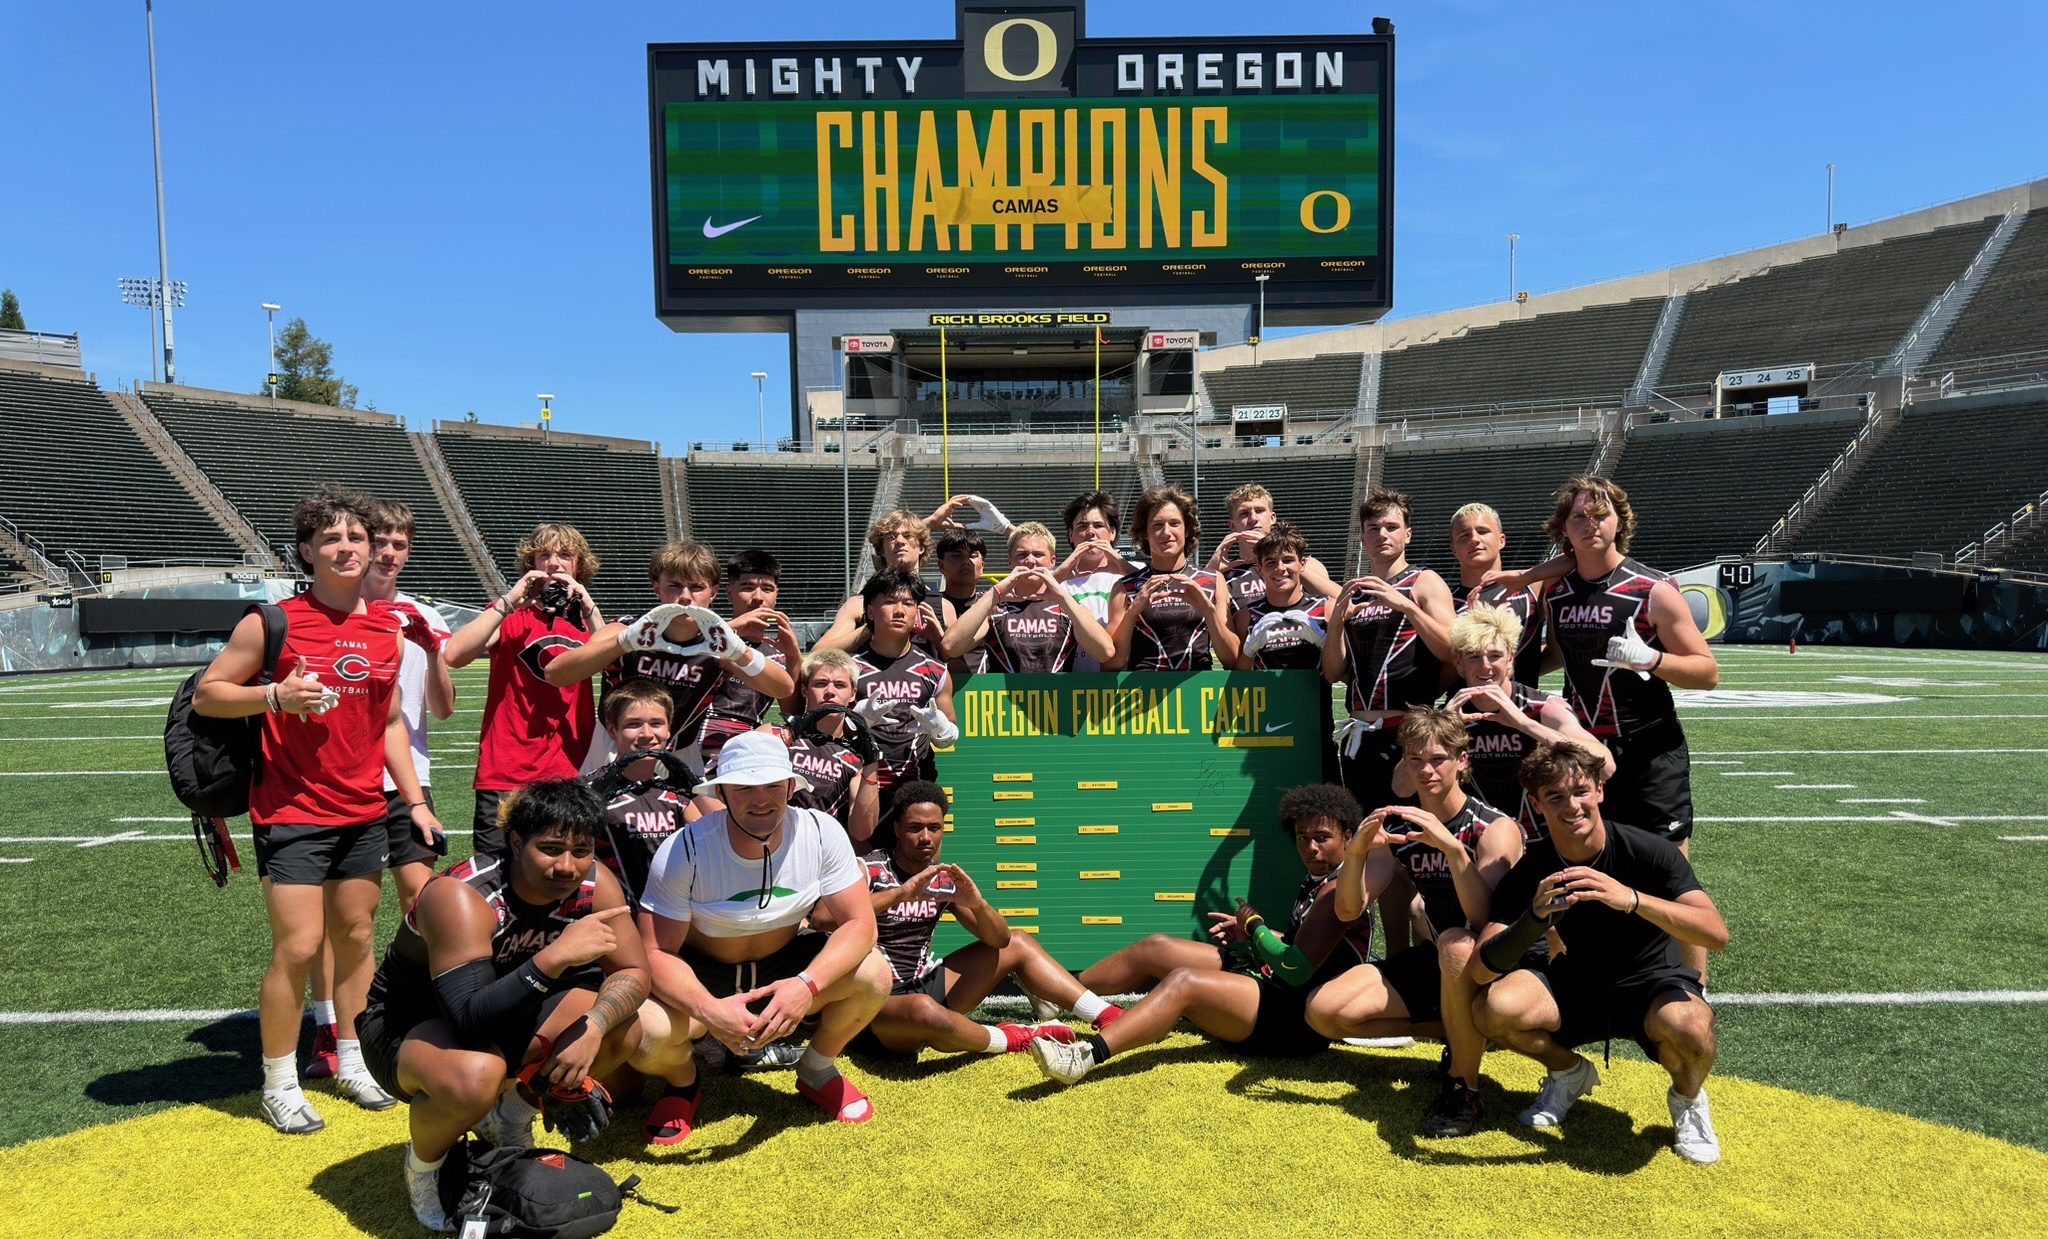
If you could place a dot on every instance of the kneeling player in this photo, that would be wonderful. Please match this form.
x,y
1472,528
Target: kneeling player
x,y
929,1001
1260,1008
1623,900
1455,848
525,968
646,799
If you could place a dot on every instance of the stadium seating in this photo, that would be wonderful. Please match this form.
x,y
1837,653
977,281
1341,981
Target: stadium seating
x,y
1326,383
2009,314
790,507
1025,489
1947,472
1704,489
265,460
77,477
1310,491
1850,306
1591,354
1517,479
511,482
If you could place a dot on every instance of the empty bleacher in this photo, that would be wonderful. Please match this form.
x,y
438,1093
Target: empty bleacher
x,y
1947,472
1311,491
1704,489
609,490
1845,307
77,477
1591,355
1327,383
2009,314
266,458
1516,476
1026,488
791,507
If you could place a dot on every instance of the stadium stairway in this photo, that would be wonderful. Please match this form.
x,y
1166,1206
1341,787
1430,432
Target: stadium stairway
x,y
790,506
2009,314
481,561
1950,304
1860,450
188,474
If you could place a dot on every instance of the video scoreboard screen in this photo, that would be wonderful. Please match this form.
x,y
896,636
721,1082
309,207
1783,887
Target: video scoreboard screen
x,y
1025,164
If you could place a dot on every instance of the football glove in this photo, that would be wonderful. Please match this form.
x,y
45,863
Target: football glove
x,y
1269,625
1630,653
579,1112
413,626
1350,734
717,637
871,711
853,733
651,629
329,697
934,724
986,516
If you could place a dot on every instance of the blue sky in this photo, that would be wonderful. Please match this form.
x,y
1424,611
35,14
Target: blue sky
x,y
455,194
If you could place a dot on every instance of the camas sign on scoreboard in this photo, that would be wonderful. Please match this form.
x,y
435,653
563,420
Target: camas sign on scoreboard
x,y
1026,163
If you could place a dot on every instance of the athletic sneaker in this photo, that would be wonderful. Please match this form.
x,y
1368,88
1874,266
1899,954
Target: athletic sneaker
x,y
1041,1010
325,1061
509,1125
365,1092
1065,1061
1693,1127
423,1189
291,1113
1455,1112
1560,1090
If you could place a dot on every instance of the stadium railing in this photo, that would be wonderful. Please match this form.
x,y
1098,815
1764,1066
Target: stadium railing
x,y
1998,536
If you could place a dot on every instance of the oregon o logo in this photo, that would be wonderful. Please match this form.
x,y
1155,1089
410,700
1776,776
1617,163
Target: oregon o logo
x,y
1308,211
1048,49
352,667
1710,608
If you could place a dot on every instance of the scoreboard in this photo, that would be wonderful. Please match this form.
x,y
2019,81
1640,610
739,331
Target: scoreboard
x,y
1025,164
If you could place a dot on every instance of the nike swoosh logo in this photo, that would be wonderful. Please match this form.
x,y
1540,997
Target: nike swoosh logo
x,y
1273,727
719,230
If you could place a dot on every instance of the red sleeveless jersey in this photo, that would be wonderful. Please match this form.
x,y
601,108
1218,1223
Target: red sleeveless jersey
x,y
532,729
328,769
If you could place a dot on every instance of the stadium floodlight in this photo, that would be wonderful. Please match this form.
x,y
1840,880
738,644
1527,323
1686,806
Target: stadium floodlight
x,y
147,292
760,378
270,309
1513,237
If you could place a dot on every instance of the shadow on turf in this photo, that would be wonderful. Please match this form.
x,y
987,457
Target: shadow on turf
x,y
369,1190
232,1066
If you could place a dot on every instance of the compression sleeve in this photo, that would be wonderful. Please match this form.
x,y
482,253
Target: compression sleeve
x,y
1504,952
477,1003
1286,960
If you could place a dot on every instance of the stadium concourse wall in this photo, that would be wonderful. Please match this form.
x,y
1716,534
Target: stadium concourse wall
x,y
47,637
1813,600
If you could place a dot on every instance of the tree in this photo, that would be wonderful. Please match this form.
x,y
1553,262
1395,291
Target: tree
x,y
305,369
10,311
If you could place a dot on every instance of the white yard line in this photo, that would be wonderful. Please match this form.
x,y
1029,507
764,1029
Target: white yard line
x,y
1857,752
2023,838
1883,800
1890,819
72,774
1756,774
1816,787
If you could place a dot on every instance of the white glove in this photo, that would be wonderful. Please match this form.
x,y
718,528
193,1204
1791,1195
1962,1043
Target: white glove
x,y
1350,733
1311,629
986,516
716,637
1631,653
942,730
329,698
650,629
871,710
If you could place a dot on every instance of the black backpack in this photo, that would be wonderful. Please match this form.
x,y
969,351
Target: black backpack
x,y
529,1193
212,761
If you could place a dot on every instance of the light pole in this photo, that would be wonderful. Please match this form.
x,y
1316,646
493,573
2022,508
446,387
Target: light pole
x,y
1831,197
760,378
163,244
1512,238
270,309
1261,278
547,411
147,292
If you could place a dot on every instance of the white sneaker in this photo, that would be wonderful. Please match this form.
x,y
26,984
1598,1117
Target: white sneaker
x,y
291,1113
1065,1061
509,1125
1693,1124
365,1092
423,1189
1560,1089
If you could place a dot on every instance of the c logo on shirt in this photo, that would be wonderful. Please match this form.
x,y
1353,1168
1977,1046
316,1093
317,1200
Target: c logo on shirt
x,y
352,667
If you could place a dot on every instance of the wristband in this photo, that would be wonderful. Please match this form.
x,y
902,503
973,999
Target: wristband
x,y
1253,922
1659,662
755,660
271,704
415,804
1637,905
805,977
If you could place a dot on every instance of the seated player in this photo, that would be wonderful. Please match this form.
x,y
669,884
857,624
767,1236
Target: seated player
x,y
902,693
679,644
753,587
1163,616
525,968
1236,556
1477,542
931,997
1455,848
1259,1007
645,800
834,751
727,899
1505,717
901,542
1029,622
1623,900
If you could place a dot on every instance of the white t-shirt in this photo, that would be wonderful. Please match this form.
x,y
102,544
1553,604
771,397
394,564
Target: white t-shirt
x,y
698,879
412,685
1092,591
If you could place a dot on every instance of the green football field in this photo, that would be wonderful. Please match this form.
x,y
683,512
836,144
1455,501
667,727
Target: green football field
x,y
1872,823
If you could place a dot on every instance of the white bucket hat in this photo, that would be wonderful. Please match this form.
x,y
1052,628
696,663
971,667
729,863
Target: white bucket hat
x,y
755,759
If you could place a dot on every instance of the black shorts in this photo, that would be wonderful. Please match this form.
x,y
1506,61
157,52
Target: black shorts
x,y
1652,784
310,855
485,837
1281,1029
1416,976
932,985
382,1032
1369,773
1594,1009
723,980
403,842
